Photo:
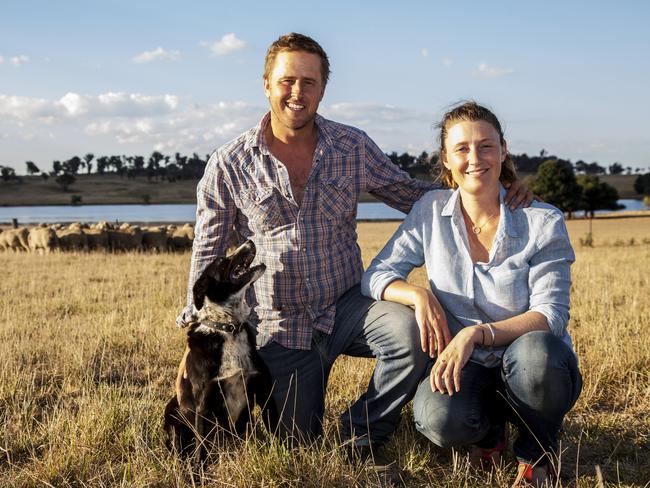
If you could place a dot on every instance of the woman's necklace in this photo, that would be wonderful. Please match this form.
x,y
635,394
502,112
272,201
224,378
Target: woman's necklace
x,y
478,228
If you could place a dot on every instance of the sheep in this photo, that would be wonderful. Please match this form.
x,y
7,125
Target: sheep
x,y
15,239
42,237
97,239
72,238
125,238
156,238
182,237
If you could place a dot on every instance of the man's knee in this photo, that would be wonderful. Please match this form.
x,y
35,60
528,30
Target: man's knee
x,y
401,337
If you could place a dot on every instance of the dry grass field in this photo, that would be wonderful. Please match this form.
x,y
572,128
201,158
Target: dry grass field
x,y
88,355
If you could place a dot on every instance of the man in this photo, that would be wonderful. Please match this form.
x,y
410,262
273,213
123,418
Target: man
x,y
291,184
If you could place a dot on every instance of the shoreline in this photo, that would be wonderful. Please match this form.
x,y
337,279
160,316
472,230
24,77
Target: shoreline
x,y
606,216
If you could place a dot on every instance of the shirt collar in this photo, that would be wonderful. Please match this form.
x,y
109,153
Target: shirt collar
x,y
453,206
255,137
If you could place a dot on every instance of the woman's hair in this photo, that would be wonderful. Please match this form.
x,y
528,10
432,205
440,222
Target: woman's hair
x,y
470,111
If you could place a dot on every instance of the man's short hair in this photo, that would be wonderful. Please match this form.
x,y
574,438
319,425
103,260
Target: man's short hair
x,y
296,42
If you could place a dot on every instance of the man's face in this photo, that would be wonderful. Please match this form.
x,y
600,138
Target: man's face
x,y
294,89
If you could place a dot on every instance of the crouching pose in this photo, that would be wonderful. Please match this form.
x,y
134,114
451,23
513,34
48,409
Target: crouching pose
x,y
496,313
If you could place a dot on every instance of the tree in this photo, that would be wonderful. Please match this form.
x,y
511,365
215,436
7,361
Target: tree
x,y
102,164
56,168
616,169
65,180
45,176
72,165
87,159
7,173
556,184
597,195
32,169
642,184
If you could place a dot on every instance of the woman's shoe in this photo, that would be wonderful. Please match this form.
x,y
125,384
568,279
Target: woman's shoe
x,y
533,475
488,458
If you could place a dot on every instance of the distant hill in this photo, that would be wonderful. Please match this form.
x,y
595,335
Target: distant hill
x,y
111,189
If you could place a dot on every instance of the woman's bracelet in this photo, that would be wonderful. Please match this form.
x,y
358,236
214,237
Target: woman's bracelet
x,y
491,329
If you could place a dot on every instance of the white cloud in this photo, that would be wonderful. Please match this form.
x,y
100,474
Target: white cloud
x,y
158,54
75,105
447,62
18,60
229,43
362,114
2,60
425,52
485,71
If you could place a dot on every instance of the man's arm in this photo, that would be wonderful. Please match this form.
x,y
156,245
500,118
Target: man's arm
x,y
390,184
215,215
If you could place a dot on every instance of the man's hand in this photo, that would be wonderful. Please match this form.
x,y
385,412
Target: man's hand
x,y
186,317
518,195
445,374
431,319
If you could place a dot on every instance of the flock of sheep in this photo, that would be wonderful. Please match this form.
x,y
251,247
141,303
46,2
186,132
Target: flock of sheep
x,y
101,236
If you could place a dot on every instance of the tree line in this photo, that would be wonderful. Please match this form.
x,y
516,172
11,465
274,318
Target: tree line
x,y
157,167
568,186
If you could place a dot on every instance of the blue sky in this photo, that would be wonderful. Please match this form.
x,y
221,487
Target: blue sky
x,y
118,77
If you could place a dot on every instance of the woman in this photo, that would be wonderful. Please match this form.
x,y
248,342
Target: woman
x,y
496,312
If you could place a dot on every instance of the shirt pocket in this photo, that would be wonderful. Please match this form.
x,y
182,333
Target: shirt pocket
x,y
266,209
336,200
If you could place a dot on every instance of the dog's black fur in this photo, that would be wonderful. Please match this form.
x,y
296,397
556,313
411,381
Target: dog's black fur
x,y
221,377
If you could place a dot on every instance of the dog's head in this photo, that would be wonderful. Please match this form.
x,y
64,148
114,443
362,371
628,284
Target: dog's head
x,y
222,286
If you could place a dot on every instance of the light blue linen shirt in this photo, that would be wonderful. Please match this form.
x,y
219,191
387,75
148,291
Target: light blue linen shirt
x,y
528,267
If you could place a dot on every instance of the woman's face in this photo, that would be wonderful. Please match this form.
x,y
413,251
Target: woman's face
x,y
473,154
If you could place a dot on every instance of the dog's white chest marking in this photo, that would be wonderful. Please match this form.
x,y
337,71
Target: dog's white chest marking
x,y
236,356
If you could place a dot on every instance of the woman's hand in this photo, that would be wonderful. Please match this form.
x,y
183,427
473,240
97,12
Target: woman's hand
x,y
445,375
431,319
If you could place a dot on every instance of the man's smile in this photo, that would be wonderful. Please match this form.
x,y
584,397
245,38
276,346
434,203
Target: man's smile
x,y
295,106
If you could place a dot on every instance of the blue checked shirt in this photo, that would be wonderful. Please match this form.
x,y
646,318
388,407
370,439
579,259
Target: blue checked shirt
x,y
528,267
311,250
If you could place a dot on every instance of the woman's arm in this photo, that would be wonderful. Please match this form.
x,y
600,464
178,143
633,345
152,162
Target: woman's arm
x,y
431,319
445,375
385,278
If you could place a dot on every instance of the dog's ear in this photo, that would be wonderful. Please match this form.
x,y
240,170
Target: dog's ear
x,y
200,288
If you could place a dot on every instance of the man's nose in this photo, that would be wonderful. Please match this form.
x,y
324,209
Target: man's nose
x,y
297,88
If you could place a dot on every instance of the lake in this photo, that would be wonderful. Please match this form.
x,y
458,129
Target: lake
x,y
176,213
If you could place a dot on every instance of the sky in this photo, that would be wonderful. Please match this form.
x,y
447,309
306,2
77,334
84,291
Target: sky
x,y
130,77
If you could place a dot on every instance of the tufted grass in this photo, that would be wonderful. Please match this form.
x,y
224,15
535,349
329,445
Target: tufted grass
x,y
88,355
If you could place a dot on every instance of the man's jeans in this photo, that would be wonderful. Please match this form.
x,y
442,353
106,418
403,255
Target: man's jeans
x,y
363,328
536,386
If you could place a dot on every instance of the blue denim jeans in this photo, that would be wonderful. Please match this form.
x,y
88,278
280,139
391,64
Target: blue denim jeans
x,y
535,387
363,328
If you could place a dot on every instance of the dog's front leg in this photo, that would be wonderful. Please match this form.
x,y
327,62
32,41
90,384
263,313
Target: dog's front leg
x,y
199,426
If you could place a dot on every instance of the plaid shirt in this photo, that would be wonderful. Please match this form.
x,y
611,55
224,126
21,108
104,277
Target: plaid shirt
x,y
311,250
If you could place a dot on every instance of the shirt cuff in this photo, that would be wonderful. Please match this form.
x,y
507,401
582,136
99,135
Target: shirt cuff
x,y
557,319
374,284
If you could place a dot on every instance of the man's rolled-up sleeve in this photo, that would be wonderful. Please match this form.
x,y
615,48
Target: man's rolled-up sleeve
x,y
215,215
549,279
390,184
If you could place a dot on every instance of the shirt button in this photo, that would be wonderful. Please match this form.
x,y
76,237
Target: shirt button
x,y
304,249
